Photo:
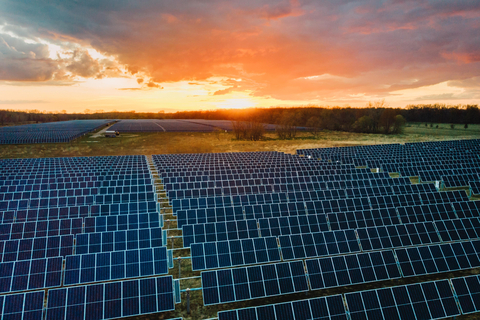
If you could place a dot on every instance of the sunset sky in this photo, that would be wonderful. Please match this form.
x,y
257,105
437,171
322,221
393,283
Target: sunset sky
x,y
162,55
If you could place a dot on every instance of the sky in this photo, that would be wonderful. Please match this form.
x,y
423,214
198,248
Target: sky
x,y
182,55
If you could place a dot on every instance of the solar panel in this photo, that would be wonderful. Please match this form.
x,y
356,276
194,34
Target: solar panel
x,y
122,222
111,300
293,225
230,230
428,212
427,300
318,244
106,266
25,306
229,253
458,229
438,258
324,308
230,285
36,248
118,240
467,290
30,274
352,269
393,236
362,219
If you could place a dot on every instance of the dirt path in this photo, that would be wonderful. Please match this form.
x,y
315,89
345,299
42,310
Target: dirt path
x,y
101,132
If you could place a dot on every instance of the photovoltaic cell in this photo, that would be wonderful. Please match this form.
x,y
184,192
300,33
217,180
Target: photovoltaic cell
x,y
459,229
25,306
230,285
111,300
106,266
293,225
36,248
118,240
228,253
393,236
210,232
467,290
324,308
318,244
439,258
352,269
428,300
30,274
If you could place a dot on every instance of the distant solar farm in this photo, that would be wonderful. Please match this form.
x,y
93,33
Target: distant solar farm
x,y
176,125
66,131
251,235
51,132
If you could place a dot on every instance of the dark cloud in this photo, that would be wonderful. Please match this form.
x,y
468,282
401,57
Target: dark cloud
x,y
21,61
374,47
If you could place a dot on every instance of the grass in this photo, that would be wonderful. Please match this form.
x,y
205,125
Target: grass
x,y
197,142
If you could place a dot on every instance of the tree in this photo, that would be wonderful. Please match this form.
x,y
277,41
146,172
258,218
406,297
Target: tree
x,y
387,119
365,124
287,128
313,123
452,126
399,125
466,126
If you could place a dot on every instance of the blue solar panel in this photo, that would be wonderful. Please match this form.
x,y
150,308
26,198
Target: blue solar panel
x,y
438,258
228,253
459,229
324,308
208,232
393,236
96,267
118,240
111,300
25,306
293,225
352,269
30,274
318,244
428,300
36,248
467,290
230,285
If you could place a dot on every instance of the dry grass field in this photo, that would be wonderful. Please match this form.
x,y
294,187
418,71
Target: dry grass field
x,y
197,142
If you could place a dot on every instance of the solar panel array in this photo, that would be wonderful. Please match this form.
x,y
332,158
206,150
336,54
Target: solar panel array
x,y
257,225
245,214
50,132
176,125
99,259
426,300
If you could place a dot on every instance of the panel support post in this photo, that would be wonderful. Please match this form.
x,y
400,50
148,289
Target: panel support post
x,y
179,268
188,300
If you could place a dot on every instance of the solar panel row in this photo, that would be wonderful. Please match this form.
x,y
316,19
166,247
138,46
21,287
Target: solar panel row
x,y
229,285
111,300
427,300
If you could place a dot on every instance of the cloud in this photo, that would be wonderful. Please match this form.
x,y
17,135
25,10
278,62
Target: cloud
x,y
21,101
152,84
21,61
82,64
224,91
369,48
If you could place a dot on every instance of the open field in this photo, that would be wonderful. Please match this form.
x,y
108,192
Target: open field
x,y
173,142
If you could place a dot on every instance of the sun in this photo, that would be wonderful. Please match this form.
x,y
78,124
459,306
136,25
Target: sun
x,y
235,104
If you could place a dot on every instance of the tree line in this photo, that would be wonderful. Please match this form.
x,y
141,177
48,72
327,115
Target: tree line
x,y
375,117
